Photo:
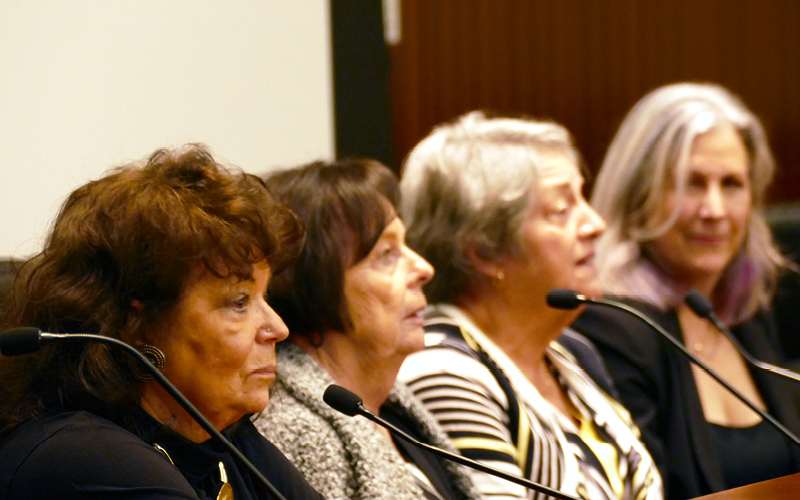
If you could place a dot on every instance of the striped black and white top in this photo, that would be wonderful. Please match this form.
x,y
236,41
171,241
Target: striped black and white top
x,y
495,415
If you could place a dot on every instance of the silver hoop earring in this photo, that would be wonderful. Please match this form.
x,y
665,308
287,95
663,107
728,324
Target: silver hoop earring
x,y
154,356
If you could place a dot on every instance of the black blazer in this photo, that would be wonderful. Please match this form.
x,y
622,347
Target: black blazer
x,y
657,386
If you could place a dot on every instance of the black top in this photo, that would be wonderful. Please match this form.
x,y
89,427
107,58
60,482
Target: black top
x,y
430,465
80,455
753,454
656,384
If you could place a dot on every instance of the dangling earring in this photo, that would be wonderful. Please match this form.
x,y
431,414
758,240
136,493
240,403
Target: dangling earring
x,y
154,356
316,339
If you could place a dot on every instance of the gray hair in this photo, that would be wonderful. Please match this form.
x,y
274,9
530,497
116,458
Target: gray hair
x,y
652,144
469,184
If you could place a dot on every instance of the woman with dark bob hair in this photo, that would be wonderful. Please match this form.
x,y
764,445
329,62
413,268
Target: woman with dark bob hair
x,y
352,303
173,257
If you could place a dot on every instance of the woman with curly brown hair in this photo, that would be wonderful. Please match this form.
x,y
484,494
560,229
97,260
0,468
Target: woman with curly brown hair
x,y
173,257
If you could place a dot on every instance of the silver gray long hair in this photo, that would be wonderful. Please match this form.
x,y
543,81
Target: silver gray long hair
x,y
652,146
469,183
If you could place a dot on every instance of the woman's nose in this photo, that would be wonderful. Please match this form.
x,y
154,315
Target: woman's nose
x,y
593,225
713,203
424,271
272,327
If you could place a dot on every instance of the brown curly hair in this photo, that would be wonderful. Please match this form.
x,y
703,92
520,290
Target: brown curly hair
x,y
134,234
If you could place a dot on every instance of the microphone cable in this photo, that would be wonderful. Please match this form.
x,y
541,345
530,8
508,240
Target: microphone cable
x,y
344,401
570,299
27,340
703,308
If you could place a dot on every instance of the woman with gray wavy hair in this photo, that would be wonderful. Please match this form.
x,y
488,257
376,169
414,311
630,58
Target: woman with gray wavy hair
x,y
682,188
495,204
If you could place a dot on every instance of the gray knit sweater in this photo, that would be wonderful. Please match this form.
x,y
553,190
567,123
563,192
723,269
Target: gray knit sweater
x,y
344,457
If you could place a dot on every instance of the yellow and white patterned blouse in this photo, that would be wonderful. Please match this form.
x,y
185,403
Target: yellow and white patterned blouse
x,y
601,459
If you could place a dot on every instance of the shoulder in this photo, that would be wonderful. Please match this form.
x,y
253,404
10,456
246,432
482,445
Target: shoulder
x,y
587,358
447,354
295,428
308,440
439,358
269,460
77,452
759,333
342,457
617,332
404,410
443,372
405,406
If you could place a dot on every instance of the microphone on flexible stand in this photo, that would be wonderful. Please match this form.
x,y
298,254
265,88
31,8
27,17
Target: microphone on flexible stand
x,y
27,340
344,401
570,299
703,308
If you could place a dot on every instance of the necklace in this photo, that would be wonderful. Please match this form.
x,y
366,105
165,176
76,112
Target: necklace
x,y
698,336
707,348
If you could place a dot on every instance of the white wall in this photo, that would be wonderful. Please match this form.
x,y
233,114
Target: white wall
x,y
89,84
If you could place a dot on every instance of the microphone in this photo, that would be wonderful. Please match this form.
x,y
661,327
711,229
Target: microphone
x,y
19,341
27,340
703,308
569,299
344,401
563,298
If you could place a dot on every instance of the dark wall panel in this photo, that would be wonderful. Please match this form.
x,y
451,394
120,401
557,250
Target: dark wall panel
x,y
360,80
584,63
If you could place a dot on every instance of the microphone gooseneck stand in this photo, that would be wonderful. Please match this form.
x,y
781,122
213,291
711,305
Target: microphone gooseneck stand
x,y
344,401
569,299
701,307
28,340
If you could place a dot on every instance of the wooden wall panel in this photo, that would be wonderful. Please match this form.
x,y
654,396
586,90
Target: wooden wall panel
x,y
584,63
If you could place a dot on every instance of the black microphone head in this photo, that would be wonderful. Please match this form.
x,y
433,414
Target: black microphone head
x,y
699,304
564,298
19,341
342,400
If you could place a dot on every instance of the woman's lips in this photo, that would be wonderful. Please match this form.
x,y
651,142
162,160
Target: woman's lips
x,y
416,316
587,260
266,371
708,239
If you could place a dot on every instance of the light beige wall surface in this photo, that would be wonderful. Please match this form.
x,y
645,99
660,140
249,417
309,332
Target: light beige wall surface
x,y
89,84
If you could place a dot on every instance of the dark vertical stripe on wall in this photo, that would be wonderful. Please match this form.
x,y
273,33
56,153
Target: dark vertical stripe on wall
x,y
360,80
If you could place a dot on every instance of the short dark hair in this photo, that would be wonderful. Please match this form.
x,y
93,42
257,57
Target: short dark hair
x,y
345,207
135,234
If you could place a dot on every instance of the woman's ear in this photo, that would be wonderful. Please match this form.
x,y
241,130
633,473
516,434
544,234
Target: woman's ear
x,y
132,323
480,261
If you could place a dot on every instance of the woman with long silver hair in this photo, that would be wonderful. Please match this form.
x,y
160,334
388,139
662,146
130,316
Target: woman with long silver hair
x,y
682,190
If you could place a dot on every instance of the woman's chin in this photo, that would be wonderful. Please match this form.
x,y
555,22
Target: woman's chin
x,y
256,405
591,288
415,342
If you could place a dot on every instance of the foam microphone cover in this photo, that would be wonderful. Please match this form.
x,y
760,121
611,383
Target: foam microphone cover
x,y
342,400
699,304
563,298
19,341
